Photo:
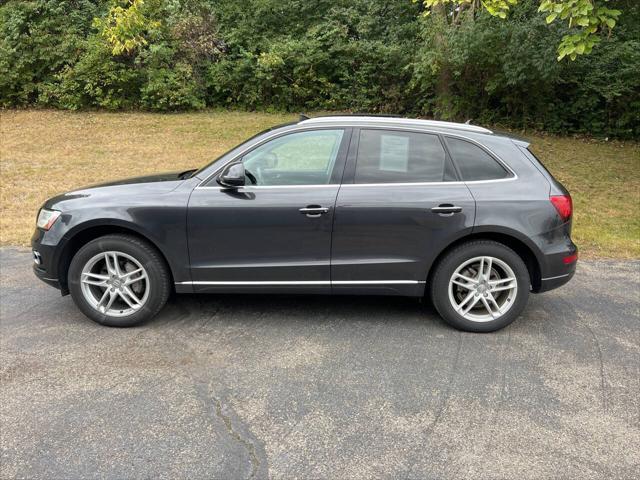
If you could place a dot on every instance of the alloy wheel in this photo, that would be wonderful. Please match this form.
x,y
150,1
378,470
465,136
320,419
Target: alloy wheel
x,y
483,289
115,284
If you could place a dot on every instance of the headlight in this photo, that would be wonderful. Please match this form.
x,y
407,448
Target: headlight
x,y
46,218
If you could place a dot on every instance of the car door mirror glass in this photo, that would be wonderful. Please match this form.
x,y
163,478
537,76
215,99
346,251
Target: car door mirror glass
x,y
233,176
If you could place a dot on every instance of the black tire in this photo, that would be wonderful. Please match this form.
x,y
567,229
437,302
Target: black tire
x,y
146,255
446,267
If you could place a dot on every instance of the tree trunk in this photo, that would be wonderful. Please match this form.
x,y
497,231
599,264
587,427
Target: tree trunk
x,y
443,80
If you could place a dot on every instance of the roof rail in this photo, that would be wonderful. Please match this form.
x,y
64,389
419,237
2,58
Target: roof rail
x,y
396,120
351,115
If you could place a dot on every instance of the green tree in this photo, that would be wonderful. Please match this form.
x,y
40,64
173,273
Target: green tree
x,y
459,62
126,26
587,18
37,40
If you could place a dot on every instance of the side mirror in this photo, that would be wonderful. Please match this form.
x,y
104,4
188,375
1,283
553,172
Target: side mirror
x,y
232,176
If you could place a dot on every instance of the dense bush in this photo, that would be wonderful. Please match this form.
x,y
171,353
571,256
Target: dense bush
x,y
359,55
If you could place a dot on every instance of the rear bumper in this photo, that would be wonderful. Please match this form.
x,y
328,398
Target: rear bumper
x,y
555,271
550,283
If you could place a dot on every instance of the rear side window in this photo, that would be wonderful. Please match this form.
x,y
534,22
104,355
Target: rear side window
x,y
473,162
388,156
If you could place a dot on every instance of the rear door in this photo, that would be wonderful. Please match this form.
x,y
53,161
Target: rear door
x,y
399,205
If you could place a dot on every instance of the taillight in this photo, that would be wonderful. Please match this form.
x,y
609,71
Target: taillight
x,y
563,205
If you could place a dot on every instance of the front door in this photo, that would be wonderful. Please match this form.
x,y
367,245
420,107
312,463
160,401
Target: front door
x,y
401,203
274,234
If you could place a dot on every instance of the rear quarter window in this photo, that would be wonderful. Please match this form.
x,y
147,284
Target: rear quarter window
x,y
474,162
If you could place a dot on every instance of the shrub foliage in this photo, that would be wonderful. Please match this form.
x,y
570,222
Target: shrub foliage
x,y
357,55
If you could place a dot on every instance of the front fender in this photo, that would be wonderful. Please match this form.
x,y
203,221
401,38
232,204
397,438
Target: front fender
x,y
163,225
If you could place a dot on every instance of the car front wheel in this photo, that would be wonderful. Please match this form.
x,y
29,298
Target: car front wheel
x,y
119,280
480,286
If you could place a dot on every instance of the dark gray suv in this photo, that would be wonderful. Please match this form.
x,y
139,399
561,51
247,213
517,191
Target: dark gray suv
x,y
329,205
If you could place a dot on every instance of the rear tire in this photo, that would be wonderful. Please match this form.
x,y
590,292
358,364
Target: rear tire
x,y
480,286
119,280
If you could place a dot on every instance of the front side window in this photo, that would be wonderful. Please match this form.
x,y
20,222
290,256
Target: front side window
x,y
473,162
303,158
388,156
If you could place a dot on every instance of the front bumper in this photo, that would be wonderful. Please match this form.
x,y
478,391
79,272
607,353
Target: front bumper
x,y
41,273
45,261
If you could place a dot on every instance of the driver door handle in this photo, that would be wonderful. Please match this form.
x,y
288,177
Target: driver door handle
x,y
313,210
446,208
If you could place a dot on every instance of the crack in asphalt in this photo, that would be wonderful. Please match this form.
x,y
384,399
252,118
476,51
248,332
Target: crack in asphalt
x,y
505,367
445,398
250,448
603,381
210,316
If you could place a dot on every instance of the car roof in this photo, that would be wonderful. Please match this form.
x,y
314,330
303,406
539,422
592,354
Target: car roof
x,y
391,121
383,120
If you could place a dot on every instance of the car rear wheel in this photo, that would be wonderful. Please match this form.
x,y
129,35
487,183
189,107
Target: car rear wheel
x,y
119,280
480,286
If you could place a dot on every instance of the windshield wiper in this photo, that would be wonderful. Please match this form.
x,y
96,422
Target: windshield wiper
x,y
187,173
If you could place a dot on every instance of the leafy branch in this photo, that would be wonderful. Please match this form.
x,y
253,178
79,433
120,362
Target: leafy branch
x,y
587,18
125,27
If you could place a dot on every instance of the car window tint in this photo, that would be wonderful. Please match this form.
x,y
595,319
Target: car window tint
x,y
473,162
387,156
303,158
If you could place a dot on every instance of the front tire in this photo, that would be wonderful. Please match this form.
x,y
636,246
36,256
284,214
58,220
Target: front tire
x,y
480,286
119,280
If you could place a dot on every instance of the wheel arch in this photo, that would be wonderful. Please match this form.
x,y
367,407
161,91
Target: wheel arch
x,y
82,235
524,250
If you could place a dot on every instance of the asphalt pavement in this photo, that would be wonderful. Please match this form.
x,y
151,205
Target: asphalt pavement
x,y
284,387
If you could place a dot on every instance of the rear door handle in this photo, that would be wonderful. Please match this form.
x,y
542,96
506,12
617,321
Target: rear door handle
x,y
446,208
313,210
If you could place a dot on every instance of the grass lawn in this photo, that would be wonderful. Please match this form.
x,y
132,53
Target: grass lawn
x,y
46,152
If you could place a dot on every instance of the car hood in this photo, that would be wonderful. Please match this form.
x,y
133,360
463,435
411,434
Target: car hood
x,y
160,177
128,189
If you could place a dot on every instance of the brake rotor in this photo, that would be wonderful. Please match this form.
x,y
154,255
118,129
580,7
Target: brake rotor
x,y
137,286
470,272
